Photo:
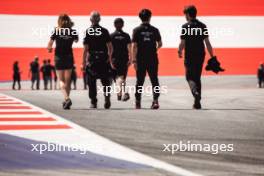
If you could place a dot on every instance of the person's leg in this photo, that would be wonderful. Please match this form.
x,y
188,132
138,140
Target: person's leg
x,y
38,80
75,83
92,90
33,79
51,82
84,81
107,91
14,83
61,77
119,82
193,77
18,81
152,70
140,74
45,82
67,76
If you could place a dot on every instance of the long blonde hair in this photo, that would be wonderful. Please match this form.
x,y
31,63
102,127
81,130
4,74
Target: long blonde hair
x,y
64,21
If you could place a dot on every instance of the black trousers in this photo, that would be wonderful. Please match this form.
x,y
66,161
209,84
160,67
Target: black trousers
x,y
260,81
142,69
35,78
193,72
16,79
91,80
84,80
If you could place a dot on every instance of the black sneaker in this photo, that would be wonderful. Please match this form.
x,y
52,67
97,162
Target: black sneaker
x,y
126,97
138,104
107,104
155,104
93,104
119,97
67,104
197,104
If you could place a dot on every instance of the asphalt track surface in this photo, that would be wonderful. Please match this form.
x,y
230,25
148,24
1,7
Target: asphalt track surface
x,y
233,109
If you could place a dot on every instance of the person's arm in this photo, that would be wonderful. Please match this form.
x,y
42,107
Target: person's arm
x,y
159,44
181,47
85,55
209,47
134,54
50,44
129,48
110,53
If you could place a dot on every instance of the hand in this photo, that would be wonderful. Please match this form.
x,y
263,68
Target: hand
x,y
49,50
180,54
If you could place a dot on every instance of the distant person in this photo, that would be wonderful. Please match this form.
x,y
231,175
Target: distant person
x,y
83,74
97,58
54,76
43,70
64,36
34,71
49,71
74,77
16,75
121,51
194,35
260,75
146,41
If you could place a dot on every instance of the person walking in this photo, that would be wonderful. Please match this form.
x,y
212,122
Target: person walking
x,y
146,41
97,58
194,35
16,75
64,36
34,73
121,53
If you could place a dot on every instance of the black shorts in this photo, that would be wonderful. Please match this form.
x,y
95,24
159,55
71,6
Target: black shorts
x,y
121,68
64,62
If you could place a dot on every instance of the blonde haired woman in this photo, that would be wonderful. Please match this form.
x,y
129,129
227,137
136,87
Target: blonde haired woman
x,y
64,36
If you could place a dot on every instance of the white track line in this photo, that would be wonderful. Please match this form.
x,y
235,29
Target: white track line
x,y
94,143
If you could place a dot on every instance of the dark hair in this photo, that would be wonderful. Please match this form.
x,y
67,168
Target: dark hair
x,y
48,60
145,15
190,10
119,23
64,21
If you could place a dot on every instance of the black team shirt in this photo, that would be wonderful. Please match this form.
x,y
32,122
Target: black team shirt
x,y
120,41
96,38
64,38
146,36
194,32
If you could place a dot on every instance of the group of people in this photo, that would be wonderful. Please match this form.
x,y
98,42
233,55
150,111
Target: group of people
x,y
108,56
47,70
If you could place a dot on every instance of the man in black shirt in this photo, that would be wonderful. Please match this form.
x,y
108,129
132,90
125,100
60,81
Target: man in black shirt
x,y
16,75
122,47
260,75
34,70
194,35
145,43
97,57
49,70
43,69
